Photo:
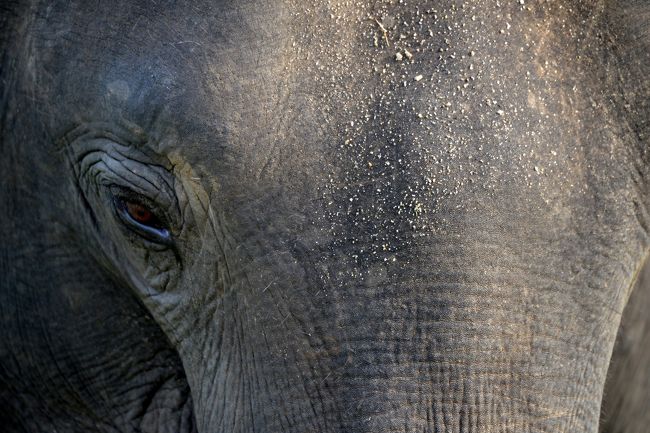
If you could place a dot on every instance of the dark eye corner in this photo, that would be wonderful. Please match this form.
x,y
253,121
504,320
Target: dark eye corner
x,y
141,218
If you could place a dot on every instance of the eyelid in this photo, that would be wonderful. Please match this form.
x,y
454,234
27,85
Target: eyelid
x,y
112,165
151,182
104,160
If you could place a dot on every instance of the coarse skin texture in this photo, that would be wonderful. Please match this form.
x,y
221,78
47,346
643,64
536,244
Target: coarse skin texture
x,y
386,216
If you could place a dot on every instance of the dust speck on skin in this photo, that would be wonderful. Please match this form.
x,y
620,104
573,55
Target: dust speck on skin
x,y
407,150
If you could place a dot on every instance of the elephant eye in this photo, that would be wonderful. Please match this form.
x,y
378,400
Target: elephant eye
x,y
141,214
143,220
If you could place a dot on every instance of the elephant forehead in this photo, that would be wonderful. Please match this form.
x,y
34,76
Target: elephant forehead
x,y
237,67
404,106
140,60
210,81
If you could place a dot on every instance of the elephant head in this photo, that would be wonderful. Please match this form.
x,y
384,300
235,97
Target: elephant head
x,y
318,216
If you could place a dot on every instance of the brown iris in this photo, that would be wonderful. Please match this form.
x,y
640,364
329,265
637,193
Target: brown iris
x,y
140,213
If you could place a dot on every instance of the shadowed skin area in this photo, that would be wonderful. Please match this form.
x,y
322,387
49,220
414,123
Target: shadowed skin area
x,y
442,240
625,400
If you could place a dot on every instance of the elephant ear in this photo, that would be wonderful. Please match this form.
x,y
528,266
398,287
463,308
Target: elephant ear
x,y
626,407
626,35
638,14
629,24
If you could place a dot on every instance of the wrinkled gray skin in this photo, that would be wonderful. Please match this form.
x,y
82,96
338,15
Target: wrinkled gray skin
x,y
442,243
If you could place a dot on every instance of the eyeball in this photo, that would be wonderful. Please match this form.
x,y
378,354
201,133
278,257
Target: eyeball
x,y
142,220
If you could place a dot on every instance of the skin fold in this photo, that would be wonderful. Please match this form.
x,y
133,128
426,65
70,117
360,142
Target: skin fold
x,y
364,216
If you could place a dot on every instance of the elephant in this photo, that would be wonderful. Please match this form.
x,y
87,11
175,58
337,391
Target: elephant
x,y
324,216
